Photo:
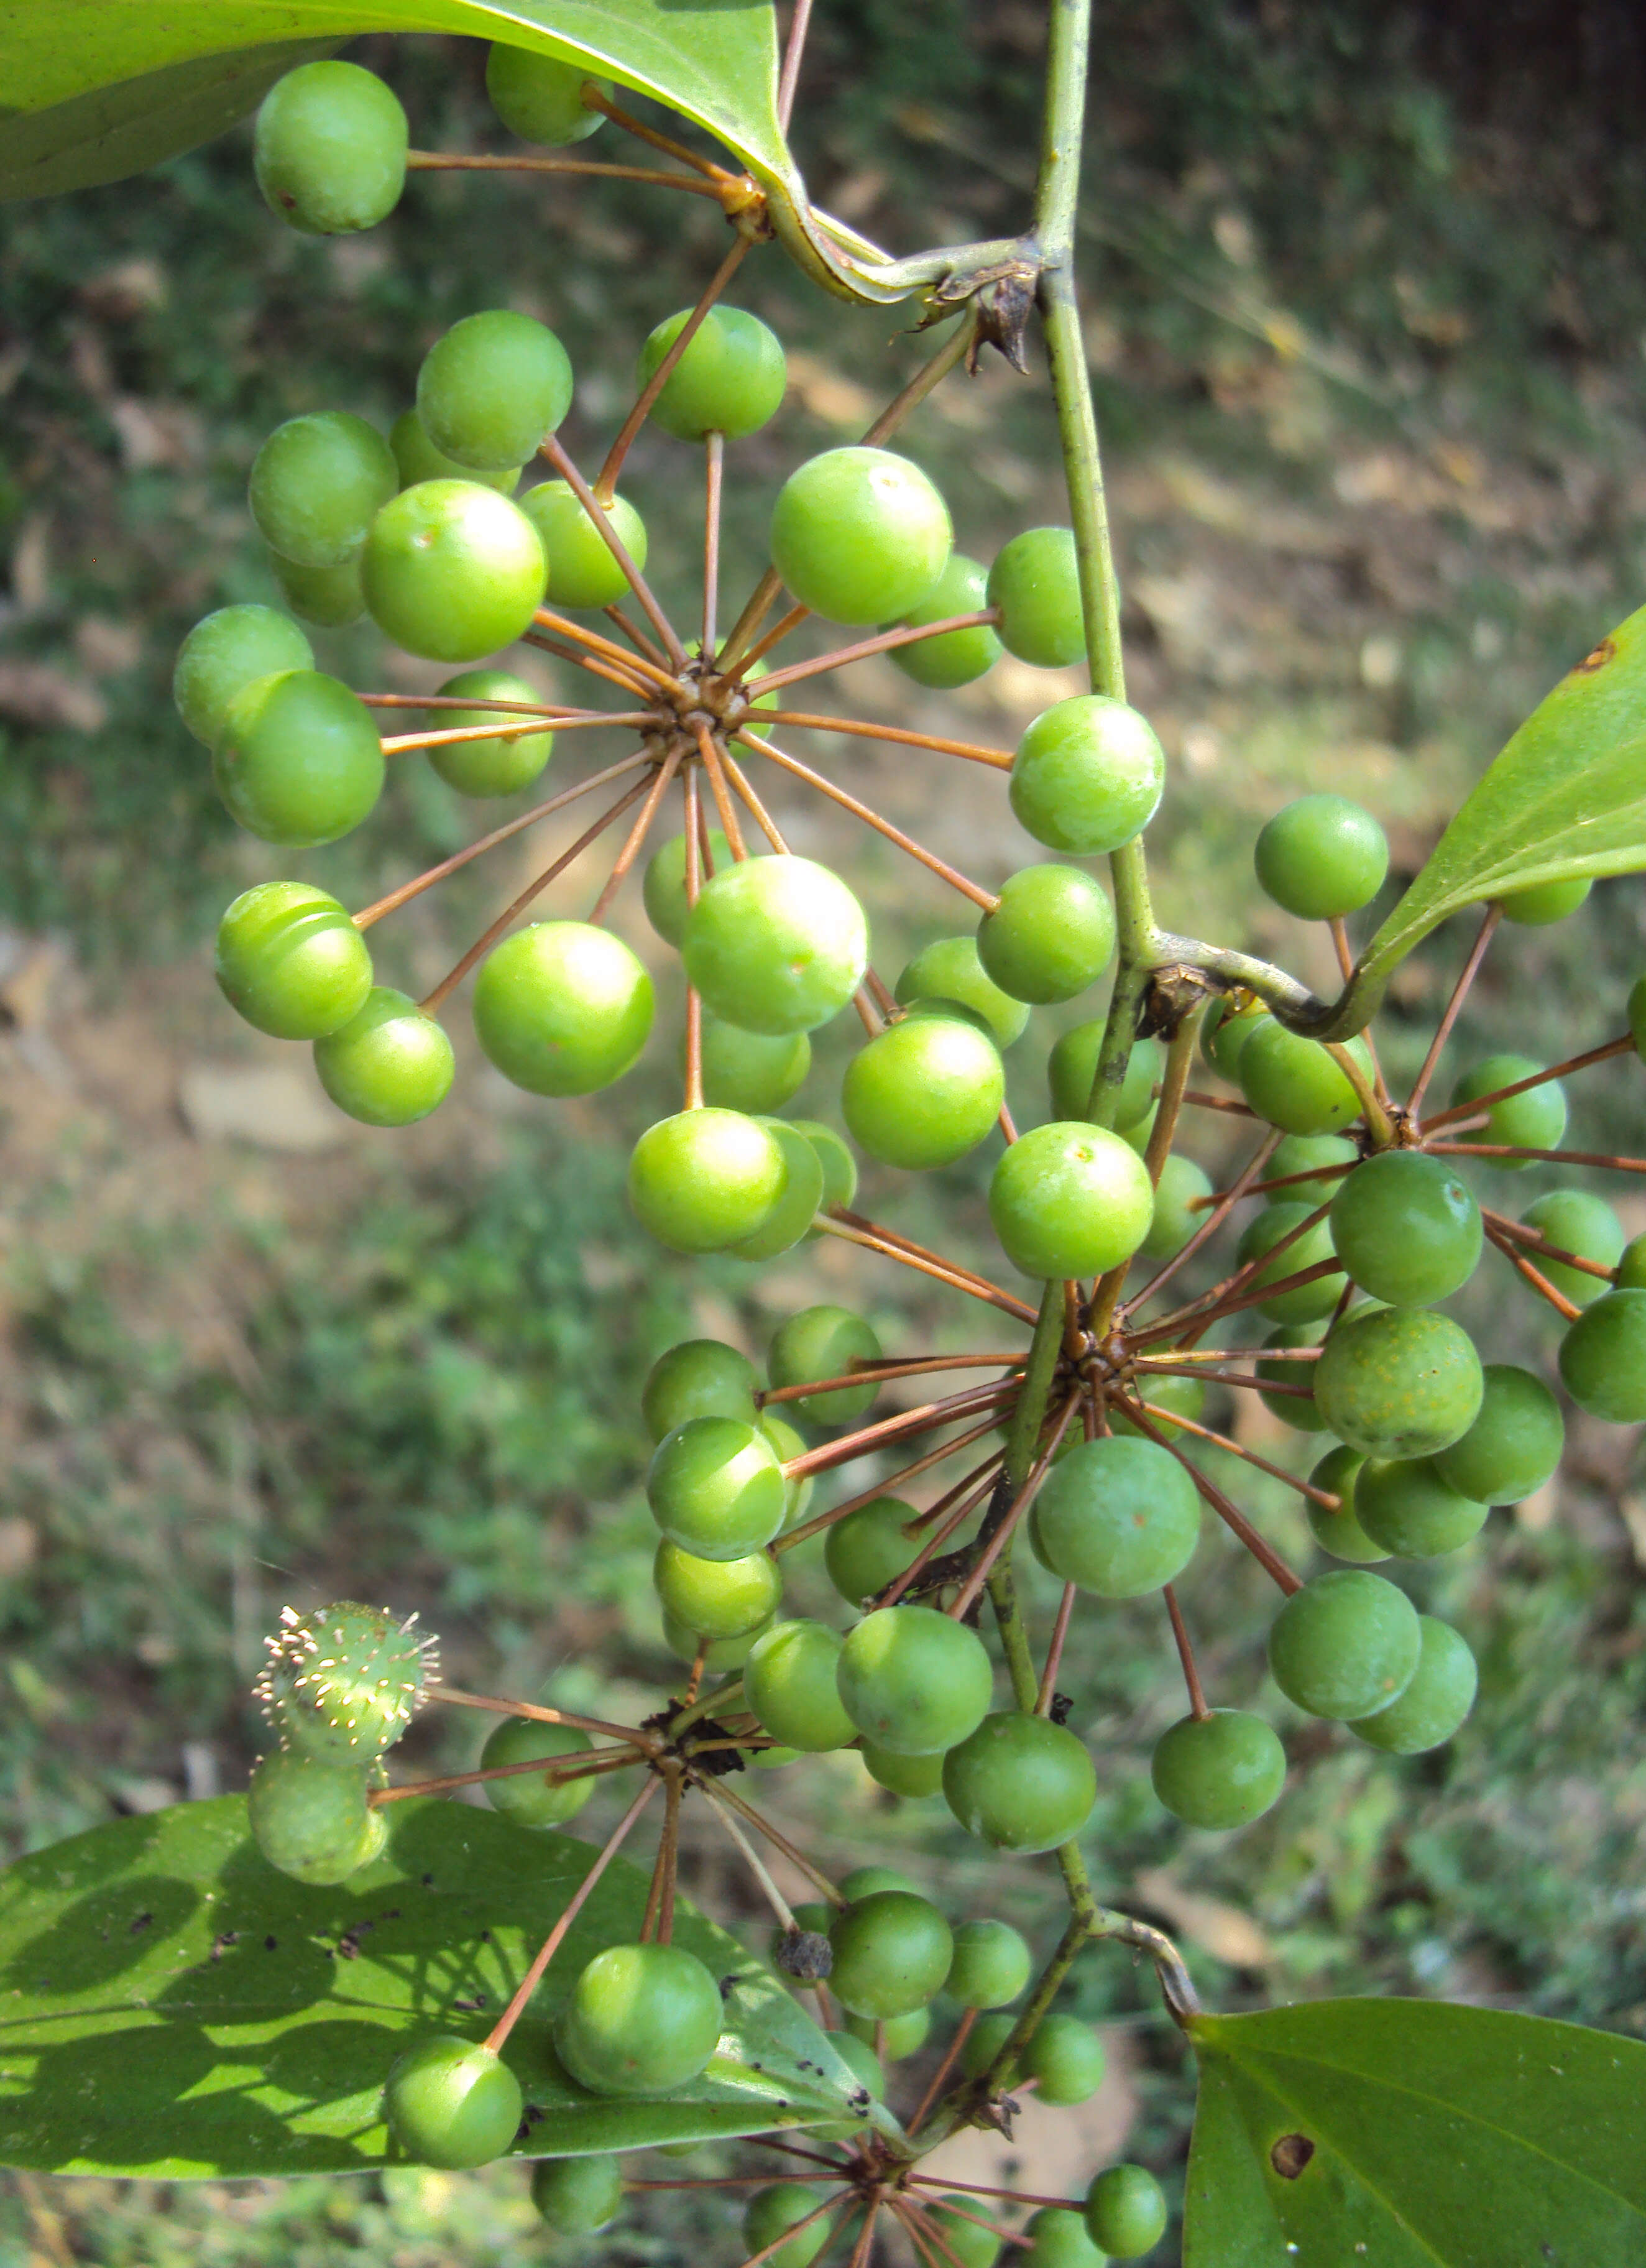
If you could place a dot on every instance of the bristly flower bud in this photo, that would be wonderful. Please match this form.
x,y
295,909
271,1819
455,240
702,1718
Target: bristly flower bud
x,y
342,1683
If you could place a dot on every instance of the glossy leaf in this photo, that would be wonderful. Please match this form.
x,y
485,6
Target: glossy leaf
x,y
1566,797
1415,2134
171,2006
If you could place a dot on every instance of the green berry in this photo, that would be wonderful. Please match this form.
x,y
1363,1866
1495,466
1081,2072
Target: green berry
x,y
1406,1505
1514,1445
914,1682
417,459
718,1655
1602,1359
950,969
860,535
500,764
311,1818
1630,1272
1125,2213
1345,1645
1179,1213
1058,2237
1303,1303
329,149
1050,936
1072,1068
583,571
699,1378
1302,1416
771,2211
492,388
299,761
983,2042
342,1683
990,1967
790,1683
1535,1120
331,597
1118,1517
526,1798
1218,1771
824,1342
1225,1030
716,1598
1166,1398
914,1777
1408,1229
715,1488
641,2019
868,1549
788,1442
1439,1697
750,1071
1545,902
1340,1532
839,1167
965,2238
1314,1154
451,2104
1020,1782
1322,858
900,2036
1035,582
775,945
1066,2059
924,1092
1296,1084
563,1007
1088,776
704,1178
1069,1199
317,483
1579,1223
664,887
868,1882
1399,1382
729,380
953,657
291,961
390,1065
865,2066
539,97
224,654
891,1953
795,1207
452,570
578,2196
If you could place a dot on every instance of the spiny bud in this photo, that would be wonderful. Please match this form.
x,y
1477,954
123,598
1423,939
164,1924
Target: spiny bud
x,y
342,1683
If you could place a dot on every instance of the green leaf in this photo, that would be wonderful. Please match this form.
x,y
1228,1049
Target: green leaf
x,y
171,2006
1415,2134
1566,797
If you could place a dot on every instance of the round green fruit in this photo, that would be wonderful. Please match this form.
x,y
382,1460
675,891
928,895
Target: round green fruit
x,y
332,597
343,1683
1164,1399
839,1167
868,1882
223,654
818,1342
860,535
1069,1199
503,762
1408,1506
791,1686
1323,1157
1602,1359
729,380
1035,582
1399,1382
953,657
950,968
1051,935
1118,1517
1345,1645
983,2042
1225,1028
1072,1070
1297,1411
529,1798
771,2212
990,1967
698,1378
1535,1120
578,2196
1514,1445
1020,1782
716,1598
702,1180
310,1819
795,1206
868,1549
900,2036
540,98
1296,1084
299,761
1087,775
583,571
1545,902
788,1442
1220,1770
329,149
924,1092
1180,1212
891,1953
452,2103
1300,1303
1322,858
1580,1224
915,1683
641,2019
965,2237
718,1655
452,570
750,1071
715,1488
1058,2237
1406,1228
912,1776
1340,1532
493,388
775,945
291,961
317,484
390,1065
1066,2059
663,889
562,1008
1125,2213
417,459
1435,1702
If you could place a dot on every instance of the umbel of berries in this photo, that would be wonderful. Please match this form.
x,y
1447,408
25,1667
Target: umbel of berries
x,y
342,1683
